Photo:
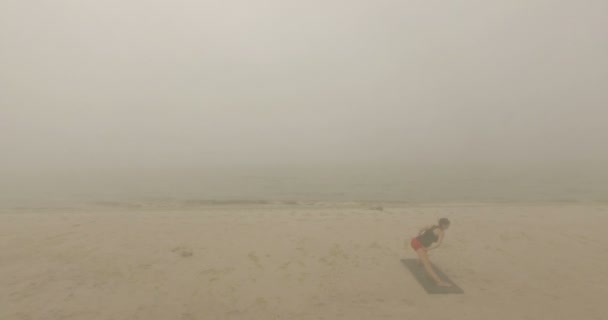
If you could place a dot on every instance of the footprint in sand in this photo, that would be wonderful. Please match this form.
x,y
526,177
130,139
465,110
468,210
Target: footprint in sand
x,y
337,252
285,265
375,245
216,274
254,259
184,252
336,255
303,276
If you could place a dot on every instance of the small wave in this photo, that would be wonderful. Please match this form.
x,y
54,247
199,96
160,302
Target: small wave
x,y
194,203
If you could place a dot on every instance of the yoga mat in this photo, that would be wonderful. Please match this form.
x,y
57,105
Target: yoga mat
x,y
426,282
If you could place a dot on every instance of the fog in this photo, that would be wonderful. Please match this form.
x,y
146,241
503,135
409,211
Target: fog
x,y
132,92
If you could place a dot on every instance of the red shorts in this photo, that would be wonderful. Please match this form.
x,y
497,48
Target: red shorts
x,y
416,244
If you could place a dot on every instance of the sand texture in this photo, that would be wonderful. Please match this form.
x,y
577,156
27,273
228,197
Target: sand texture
x,y
294,262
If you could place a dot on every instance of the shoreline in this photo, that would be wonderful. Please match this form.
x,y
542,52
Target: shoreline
x,y
244,204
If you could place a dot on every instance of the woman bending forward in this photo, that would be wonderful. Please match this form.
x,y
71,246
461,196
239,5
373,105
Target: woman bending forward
x,y
424,242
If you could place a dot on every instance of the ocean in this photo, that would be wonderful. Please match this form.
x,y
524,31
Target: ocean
x,y
156,187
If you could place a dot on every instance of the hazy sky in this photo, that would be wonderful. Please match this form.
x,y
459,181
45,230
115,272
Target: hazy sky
x,y
184,82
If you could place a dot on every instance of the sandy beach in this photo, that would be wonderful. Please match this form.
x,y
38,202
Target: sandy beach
x,y
265,160
301,262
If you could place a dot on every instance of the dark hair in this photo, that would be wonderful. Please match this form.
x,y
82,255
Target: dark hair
x,y
444,222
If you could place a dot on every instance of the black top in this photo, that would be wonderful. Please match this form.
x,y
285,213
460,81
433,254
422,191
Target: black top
x,y
428,237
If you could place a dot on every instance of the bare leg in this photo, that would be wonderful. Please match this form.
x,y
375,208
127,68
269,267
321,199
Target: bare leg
x,y
424,258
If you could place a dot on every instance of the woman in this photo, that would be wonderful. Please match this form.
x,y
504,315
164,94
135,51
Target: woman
x,y
424,242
